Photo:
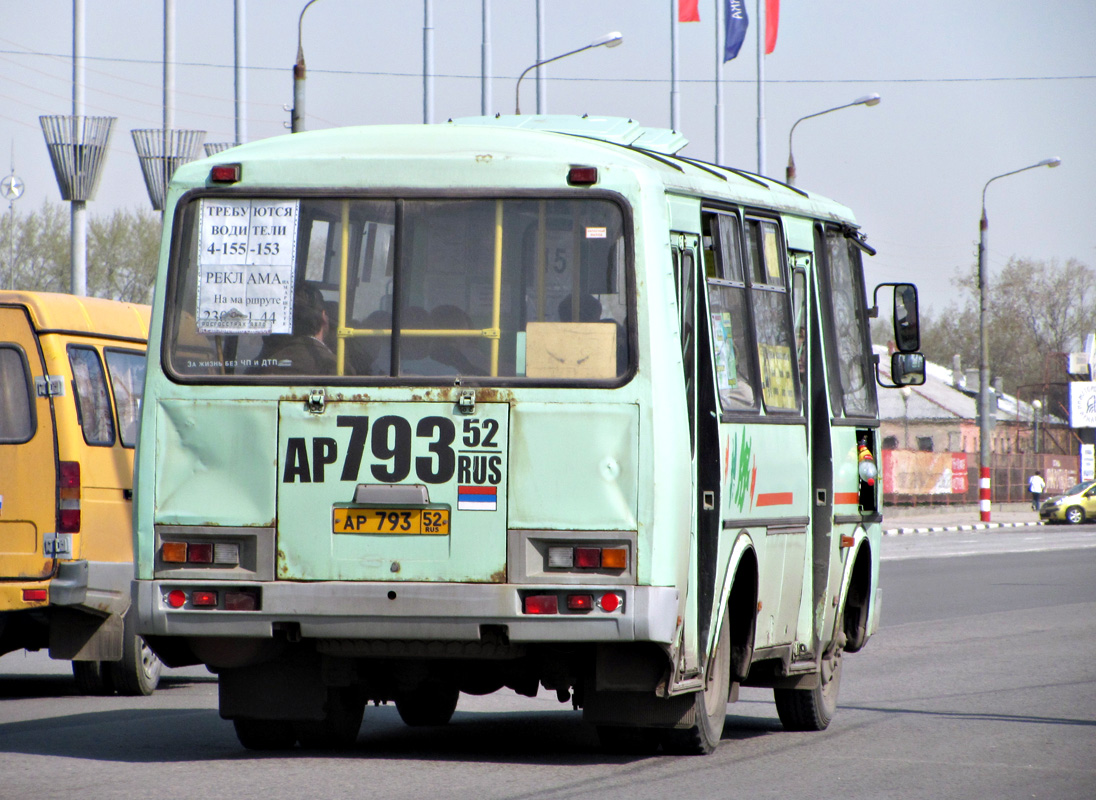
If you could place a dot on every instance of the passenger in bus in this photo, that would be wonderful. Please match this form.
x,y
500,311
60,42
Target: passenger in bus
x,y
415,358
461,353
302,352
371,355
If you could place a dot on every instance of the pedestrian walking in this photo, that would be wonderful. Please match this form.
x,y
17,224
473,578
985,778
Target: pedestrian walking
x,y
1036,485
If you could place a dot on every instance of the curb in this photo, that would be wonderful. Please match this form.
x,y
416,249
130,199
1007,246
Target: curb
x,y
981,526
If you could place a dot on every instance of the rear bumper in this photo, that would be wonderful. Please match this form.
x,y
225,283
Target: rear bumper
x,y
98,587
404,611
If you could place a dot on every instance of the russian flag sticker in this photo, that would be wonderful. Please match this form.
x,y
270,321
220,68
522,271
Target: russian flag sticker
x,y
477,498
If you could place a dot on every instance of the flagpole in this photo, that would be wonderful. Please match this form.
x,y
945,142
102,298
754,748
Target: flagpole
x,y
759,21
675,87
719,22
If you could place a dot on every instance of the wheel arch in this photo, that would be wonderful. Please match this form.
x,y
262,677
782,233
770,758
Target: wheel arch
x,y
738,606
857,595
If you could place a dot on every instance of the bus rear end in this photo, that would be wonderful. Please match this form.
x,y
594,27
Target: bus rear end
x,y
391,449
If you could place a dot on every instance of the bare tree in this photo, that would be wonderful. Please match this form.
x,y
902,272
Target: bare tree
x,y
123,250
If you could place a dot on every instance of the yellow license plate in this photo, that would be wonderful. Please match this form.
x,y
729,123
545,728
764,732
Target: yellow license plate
x,y
397,521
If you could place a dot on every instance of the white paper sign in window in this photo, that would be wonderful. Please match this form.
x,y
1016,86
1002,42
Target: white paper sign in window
x,y
246,262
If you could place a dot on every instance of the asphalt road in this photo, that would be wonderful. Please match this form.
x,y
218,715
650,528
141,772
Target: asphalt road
x,y
981,683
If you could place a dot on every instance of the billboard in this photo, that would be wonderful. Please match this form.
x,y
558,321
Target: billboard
x,y
1082,404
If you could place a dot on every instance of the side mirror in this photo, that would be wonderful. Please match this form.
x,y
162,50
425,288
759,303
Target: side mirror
x,y
907,369
907,322
906,319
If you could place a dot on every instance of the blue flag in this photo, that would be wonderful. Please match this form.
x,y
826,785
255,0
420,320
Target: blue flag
x,y
737,22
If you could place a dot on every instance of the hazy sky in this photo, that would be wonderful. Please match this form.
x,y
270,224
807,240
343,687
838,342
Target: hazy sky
x,y
971,89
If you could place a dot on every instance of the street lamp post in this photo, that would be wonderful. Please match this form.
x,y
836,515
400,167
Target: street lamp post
x,y
296,116
867,100
984,443
608,40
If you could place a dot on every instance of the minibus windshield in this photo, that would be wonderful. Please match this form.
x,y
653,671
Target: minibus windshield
x,y
383,290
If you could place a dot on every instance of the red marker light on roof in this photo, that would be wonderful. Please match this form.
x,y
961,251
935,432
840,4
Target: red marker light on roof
x,y
582,176
225,173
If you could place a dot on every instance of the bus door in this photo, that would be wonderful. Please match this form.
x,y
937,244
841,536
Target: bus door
x,y
28,505
703,426
402,491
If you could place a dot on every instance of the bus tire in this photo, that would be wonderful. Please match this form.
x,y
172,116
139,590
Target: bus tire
x,y
709,706
339,728
265,734
92,678
811,709
138,673
430,704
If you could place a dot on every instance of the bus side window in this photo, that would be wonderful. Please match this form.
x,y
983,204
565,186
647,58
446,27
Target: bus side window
x,y
776,350
730,320
16,397
127,379
92,400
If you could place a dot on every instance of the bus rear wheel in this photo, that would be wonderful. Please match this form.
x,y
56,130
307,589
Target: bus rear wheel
x,y
138,673
431,703
340,725
709,706
93,677
811,709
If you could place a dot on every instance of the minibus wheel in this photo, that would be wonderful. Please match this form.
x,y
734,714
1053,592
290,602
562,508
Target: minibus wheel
x,y
709,705
812,709
339,728
431,703
92,677
138,673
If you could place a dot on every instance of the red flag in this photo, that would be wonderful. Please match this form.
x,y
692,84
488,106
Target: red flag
x,y
772,20
688,11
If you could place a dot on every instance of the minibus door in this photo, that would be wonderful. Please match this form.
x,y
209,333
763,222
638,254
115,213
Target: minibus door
x,y
28,451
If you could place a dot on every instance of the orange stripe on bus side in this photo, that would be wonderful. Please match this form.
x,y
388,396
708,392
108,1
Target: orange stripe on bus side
x,y
775,499
846,498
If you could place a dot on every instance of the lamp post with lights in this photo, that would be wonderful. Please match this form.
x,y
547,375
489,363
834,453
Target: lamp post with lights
x,y
867,100
984,443
608,40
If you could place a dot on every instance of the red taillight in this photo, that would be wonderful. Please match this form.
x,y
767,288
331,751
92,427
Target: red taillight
x,y
176,598
242,600
582,176
225,173
541,604
580,602
610,601
588,557
200,552
34,595
68,491
203,599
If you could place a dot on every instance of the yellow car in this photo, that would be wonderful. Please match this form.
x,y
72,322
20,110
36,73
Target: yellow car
x,y
1074,506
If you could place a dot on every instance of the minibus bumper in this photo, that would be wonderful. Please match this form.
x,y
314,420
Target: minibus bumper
x,y
410,611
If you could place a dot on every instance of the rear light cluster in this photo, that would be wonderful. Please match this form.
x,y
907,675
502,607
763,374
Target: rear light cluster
x,y
603,558
223,599
226,554
572,603
68,497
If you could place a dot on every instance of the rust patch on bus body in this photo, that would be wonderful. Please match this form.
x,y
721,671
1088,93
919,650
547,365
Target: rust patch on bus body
x,y
498,576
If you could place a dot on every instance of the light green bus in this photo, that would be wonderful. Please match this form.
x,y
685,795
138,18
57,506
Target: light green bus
x,y
526,402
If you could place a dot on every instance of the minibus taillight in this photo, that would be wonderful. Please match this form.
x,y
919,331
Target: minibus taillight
x,y
225,173
68,511
582,176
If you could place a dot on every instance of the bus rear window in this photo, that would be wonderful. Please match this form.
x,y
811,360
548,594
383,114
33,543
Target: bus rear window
x,y
380,290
